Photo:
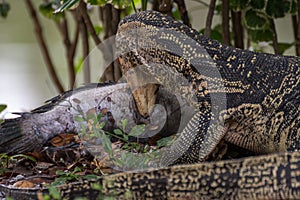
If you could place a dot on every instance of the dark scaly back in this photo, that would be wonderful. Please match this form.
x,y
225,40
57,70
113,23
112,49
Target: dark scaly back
x,y
259,72
262,89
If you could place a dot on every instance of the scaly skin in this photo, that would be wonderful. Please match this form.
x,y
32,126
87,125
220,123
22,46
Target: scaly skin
x,y
275,176
259,94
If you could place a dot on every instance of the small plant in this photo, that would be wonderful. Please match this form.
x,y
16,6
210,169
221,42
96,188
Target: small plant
x,y
54,193
65,176
6,161
130,155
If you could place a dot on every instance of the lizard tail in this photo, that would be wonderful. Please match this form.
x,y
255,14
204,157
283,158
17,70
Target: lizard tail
x,y
12,138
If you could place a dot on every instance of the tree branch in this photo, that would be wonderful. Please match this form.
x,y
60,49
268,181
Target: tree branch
x,y
63,28
275,38
237,29
110,17
225,22
209,17
74,43
85,51
43,46
183,12
298,30
88,22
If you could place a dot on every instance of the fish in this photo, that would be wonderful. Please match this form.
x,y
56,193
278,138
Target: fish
x,y
64,113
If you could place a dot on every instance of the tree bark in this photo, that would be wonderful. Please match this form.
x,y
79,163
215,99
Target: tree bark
x,y
238,30
275,38
110,17
225,22
183,12
209,18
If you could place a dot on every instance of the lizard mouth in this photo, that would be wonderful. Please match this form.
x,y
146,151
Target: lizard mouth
x,y
143,87
145,97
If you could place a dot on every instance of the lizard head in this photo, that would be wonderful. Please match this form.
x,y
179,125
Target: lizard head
x,y
141,43
143,90
130,47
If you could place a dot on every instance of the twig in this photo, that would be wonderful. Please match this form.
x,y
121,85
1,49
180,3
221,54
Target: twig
x,y
237,29
75,41
297,30
183,12
63,28
110,18
85,51
43,46
275,39
116,13
209,18
225,22
133,5
88,22
202,2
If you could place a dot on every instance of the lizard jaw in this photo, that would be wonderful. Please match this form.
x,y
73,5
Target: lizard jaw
x,y
143,89
145,97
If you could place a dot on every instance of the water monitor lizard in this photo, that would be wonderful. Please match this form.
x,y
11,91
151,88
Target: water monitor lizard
x,y
260,92
262,98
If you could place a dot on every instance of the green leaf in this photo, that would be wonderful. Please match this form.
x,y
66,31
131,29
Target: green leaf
x,y
164,142
66,5
238,4
261,35
2,107
4,8
99,116
101,125
77,169
90,176
294,7
23,156
144,4
255,20
47,10
282,47
98,29
78,119
257,4
118,132
98,2
59,181
278,8
96,186
176,14
124,123
215,33
125,137
121,4
107,144
59,172
78,65
137,130
54,192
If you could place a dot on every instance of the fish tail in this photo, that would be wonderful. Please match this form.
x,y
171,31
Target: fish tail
x,y
12,137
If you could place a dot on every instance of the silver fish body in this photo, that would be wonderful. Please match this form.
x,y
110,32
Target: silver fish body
x,y
62,114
